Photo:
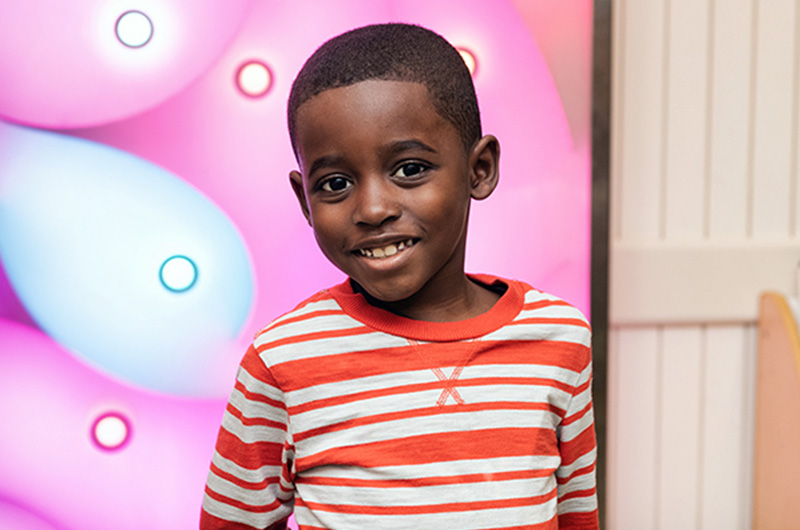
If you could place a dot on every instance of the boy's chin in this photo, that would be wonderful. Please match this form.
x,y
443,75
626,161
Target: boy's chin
x,y
378,296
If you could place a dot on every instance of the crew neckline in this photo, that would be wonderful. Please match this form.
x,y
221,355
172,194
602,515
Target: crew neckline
x,y
503,311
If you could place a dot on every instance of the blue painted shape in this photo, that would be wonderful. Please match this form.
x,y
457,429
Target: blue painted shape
x,y
85,230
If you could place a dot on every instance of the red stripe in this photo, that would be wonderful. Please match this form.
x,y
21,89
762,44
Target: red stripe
x,y
318,297
540,304
243,483
248,455
439,447
577,473
304,373
313,336
427,481
553,320
552,524
261,398
210,522
579,521
425,412
577,415
432,508
421,387
306,316
578,446
254,421
274,505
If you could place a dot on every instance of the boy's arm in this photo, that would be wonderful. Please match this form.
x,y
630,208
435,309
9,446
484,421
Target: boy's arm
x,y
250,484
577,494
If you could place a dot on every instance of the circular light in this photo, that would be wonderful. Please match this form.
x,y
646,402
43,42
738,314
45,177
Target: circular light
x,y
254,79
111,431
134,29
178,274
469,60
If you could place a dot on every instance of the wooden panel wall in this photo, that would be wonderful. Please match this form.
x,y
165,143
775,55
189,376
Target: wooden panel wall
x,y
705,120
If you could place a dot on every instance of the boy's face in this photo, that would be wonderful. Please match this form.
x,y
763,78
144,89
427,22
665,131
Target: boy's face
x,y
386,184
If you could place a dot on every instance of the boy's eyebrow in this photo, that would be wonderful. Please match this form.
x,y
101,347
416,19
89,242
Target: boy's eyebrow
x,y
408,145
392,149
323,161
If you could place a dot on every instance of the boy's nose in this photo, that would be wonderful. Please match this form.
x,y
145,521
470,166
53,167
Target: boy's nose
x,y
377,202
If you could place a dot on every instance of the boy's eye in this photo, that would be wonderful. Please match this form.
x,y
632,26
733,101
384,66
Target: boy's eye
x,y
334,184
410,169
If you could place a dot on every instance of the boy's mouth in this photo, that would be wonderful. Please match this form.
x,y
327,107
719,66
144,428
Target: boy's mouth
x,y
386,251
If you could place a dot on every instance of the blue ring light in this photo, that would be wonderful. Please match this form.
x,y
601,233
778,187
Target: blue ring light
x,y
178,274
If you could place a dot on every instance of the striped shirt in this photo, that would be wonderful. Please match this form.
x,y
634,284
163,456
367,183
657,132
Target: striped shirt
x,y
355,418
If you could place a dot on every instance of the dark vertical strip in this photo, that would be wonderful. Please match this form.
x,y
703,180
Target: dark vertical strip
x,y
601,117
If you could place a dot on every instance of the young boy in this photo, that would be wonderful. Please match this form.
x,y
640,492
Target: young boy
x,y
412,395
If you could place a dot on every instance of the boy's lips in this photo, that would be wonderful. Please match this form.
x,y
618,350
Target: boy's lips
x,y
379,250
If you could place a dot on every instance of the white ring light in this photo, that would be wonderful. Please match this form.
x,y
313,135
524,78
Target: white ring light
x,y
134,29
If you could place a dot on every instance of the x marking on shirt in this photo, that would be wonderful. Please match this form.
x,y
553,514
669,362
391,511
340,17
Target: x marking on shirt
x,y
450,382
450,385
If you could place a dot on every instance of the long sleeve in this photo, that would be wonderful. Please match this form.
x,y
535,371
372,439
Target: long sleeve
x,y
577,494
250,483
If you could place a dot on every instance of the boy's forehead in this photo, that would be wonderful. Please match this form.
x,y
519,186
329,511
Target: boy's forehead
x,y
370,114
403,103
369,92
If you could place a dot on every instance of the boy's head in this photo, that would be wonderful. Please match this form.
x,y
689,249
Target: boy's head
x,y
389,146
393,52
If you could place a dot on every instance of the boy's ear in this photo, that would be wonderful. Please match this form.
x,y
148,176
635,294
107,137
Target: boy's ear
x,y
296,179
484,159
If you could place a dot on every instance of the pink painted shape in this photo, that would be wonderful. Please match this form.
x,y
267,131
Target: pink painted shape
x,y
68,68
50,464
563,31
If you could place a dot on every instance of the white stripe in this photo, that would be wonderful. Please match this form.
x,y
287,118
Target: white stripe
x,y
490,519
580,483
304,327
551,311
435,424
535,295
423,399
256,409
583,461
261,497
320,305
579,402
578,505
231,513
330,346
251,433
569,432
242,473
542,331
441,469
427,495
257,386
413,377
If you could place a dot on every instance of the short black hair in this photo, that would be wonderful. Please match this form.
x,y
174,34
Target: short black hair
x,y
395,52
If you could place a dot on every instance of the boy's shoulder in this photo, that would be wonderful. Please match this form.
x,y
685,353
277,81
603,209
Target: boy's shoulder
x,y
321,301
545,316
543,303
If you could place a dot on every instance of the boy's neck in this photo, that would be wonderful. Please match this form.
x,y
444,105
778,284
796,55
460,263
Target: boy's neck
x,y
468,300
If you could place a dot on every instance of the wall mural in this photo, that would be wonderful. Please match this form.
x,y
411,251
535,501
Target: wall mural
x,y
148,229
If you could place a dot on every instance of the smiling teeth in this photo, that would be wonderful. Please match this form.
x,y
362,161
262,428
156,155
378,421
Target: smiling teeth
x,y
387,251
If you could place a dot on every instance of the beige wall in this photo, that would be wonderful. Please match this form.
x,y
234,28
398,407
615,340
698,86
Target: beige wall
x,y
704,215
